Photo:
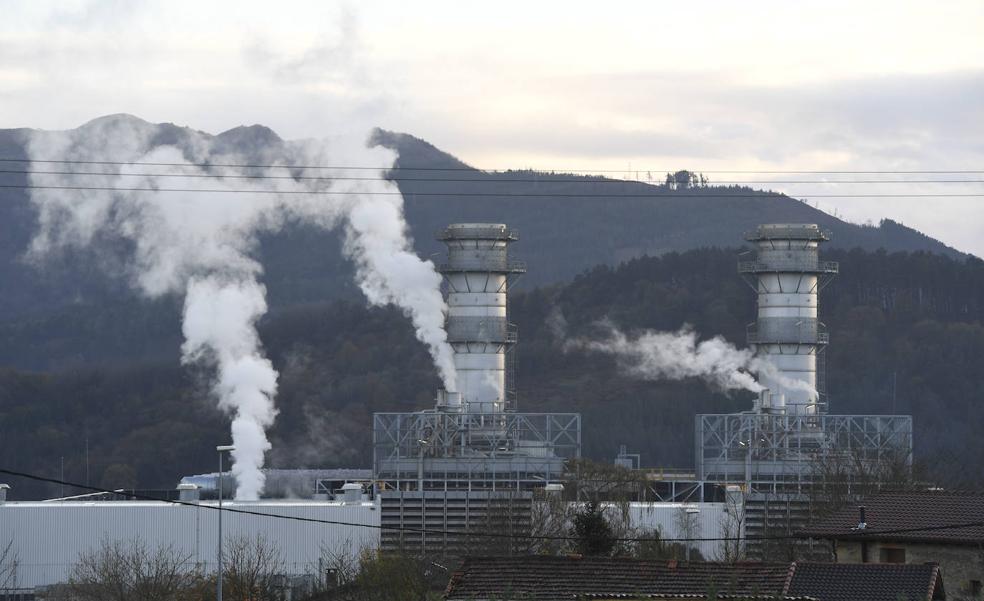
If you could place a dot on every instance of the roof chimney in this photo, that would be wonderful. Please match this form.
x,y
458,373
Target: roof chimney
x,y
862,522
3,493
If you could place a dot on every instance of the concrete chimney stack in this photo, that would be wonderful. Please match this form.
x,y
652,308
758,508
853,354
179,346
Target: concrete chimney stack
x,y
478,273
788,274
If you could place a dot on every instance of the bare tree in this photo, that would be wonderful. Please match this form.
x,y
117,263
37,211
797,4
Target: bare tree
x,y
337,566
254,567
550,523
652,546
601,482
8,566
732,548
393,577
122,571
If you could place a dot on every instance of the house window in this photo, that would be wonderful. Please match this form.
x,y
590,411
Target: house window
x,y
891,555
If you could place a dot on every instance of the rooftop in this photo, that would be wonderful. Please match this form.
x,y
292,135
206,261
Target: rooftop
x,y
914,516
545,578
871,582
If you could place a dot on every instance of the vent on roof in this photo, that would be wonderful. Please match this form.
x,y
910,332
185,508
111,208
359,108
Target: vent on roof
x,y
862,522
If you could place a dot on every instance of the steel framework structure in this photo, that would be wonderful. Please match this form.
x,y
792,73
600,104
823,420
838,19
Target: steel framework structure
x,y
439,451
787,453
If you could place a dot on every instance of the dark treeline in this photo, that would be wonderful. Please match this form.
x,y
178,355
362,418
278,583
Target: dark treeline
x,y
907,334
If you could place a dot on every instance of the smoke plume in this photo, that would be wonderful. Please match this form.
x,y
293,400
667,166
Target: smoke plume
x,y
678,355
202,244
390,273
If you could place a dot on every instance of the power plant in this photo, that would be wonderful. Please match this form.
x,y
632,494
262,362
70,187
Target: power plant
x,y
787,274
788,443
478,274
473,462
472,458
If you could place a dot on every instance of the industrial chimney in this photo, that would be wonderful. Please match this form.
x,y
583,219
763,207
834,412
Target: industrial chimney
x,y
478,273
788,275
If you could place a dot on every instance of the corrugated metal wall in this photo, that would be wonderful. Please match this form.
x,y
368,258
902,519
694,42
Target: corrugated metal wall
x,y
670,519
49,537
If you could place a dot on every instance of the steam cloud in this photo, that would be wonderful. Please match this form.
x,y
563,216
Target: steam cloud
x,y
389,272
201,244
678,355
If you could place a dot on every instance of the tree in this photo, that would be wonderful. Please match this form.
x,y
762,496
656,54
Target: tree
x,y
8,566
391,577
652,546
253,569
592,532
732,548
120,571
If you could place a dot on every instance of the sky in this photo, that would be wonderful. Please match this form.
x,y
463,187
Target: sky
x,y
637,87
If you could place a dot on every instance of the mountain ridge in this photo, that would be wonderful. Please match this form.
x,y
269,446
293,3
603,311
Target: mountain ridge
x,y
563,234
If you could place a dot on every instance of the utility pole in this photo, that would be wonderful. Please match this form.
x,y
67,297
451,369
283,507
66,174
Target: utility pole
x,y
218,585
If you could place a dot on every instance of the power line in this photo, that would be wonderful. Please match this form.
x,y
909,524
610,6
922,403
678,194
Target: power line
x,y
466,168
690,193
143,497
481,180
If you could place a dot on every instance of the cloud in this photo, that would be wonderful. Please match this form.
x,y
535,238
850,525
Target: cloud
x,y
709,86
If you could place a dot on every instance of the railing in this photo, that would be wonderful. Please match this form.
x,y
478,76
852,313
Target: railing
x,y
489,266
794,266
478,233
787,330
481,329
475,436
788,232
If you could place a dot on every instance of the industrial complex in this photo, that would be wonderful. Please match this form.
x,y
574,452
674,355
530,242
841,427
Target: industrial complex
x,y
475,462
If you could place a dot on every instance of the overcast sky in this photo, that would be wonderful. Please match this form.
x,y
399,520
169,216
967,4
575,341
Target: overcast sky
x,y
640,86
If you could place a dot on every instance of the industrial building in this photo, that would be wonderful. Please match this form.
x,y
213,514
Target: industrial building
x,y
49,537
474,463
789,443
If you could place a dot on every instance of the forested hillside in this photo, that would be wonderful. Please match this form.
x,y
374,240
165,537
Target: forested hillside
x,y
919,316
568,223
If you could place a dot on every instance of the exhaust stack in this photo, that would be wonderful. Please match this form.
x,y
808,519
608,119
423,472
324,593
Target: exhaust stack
x,y
788,274
478,273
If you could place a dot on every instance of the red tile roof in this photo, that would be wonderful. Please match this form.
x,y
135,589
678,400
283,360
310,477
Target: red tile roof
x,y
914,516
547,578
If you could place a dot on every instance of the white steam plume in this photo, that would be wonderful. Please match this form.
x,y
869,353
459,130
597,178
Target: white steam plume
x,y
219,324
389,272
200,244
678,355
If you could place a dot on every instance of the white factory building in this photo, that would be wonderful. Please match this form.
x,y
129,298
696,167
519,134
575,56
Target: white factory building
x,y
47,538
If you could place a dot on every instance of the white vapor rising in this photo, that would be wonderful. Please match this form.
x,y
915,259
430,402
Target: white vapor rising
x,y
389,272
678,355
201,244
219,320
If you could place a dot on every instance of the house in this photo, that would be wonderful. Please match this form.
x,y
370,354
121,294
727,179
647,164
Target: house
x,y
865,582
913,527
548,578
